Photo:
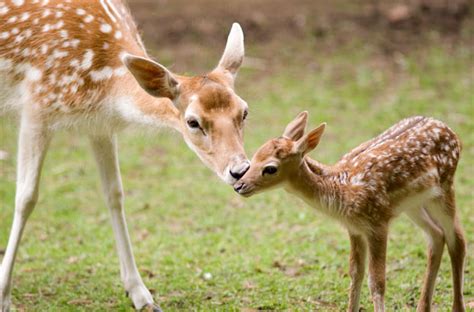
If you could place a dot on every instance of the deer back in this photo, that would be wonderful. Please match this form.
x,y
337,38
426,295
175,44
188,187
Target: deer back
x,y
64,56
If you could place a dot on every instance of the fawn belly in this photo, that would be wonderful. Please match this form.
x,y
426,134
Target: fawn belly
x,y
416,200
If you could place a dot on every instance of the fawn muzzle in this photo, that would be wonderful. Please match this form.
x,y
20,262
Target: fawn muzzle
x,y
242,188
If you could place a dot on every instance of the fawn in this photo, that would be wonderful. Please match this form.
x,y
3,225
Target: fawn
x,y
408,168
81,65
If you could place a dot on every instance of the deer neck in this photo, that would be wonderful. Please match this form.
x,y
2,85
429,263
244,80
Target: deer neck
x,y
318,186
139,107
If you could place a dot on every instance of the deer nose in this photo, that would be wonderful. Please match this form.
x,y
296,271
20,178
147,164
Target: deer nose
x,y
238,171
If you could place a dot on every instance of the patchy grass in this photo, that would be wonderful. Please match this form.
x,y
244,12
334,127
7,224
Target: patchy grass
x,y
269,252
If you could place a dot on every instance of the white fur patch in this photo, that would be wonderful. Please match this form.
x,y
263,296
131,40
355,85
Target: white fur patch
x,y
18,2
105,28
4,10
101,74
87,60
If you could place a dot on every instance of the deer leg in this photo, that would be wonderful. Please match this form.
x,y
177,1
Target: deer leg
x,y
105,152
356,269
377,242
444,212
33,143
435,238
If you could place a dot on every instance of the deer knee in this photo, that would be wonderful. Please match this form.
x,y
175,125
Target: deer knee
x,y
25,202
115,197
436,239
377,286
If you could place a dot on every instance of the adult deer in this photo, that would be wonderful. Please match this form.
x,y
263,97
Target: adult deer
x,y
81,64
407,169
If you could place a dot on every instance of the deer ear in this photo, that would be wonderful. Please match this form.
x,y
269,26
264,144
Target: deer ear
x,y
295,129
234,52
153,77
309,142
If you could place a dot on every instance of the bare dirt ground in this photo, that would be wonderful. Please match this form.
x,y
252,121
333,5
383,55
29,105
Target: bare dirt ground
x,y
392,25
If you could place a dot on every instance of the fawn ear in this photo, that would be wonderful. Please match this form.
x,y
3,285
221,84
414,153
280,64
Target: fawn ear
x,y
295,129
153,77
309,142
234,52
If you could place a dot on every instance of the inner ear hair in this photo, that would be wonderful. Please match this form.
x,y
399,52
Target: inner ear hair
x,y
153,77
314,136
295,129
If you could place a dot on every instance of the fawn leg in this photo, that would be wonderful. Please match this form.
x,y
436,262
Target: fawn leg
x,y
444,212
435,238
377,242
356,269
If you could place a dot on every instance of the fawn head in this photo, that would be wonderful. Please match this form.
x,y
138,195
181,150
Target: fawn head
x,y
276,160
211,115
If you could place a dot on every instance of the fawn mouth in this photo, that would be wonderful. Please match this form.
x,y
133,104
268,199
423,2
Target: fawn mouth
x,y
243,189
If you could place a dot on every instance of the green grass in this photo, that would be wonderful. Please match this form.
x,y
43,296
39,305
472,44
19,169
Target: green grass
x,y
268,252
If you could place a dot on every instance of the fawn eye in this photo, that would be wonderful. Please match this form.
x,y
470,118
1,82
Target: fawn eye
x,y
193,123
246,112
269,170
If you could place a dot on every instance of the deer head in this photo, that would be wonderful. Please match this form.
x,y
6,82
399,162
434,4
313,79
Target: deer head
x,y
278,159
211,115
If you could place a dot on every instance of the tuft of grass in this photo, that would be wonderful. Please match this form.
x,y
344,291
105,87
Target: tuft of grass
x,y
201,247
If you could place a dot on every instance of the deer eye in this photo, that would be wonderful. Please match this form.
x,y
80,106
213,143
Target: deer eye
x,y
193,123
269,170
246,112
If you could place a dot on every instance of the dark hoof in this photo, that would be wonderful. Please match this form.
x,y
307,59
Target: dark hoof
x,y
151,308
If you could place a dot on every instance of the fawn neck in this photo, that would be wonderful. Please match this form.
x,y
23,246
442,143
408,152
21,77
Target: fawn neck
x,y
313,182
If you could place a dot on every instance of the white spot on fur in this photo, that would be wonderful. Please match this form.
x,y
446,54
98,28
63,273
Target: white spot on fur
x,y
59,54
87,60
46,13
357,179
105,28
75,43
58,25
44,48
118,35
89,18
33,74
80,12
18,2
75,63
46,28
101,74
3,10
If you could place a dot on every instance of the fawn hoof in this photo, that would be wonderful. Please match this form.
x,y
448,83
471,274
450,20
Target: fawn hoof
x,y
4,304
151,308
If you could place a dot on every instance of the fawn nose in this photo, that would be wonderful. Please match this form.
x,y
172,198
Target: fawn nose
x,y
238,186
239,170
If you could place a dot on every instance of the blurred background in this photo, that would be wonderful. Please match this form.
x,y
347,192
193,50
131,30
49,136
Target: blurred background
x,y
179,28
359,65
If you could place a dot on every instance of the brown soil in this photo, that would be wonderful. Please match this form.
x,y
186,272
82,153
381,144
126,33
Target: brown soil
x,y
174,22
